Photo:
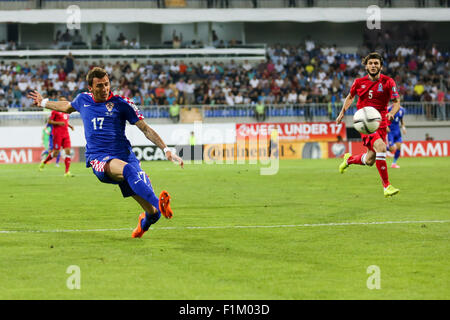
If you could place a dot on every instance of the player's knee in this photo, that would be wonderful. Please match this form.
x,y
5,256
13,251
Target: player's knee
x,y
370,162
380,147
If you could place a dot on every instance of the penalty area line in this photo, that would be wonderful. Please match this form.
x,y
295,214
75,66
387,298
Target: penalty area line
x,y
331,224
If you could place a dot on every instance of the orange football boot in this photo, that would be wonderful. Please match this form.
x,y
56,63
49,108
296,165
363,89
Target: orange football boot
x,y
138,232
164,204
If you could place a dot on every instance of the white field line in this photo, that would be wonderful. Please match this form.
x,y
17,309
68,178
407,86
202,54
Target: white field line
x,y
331,224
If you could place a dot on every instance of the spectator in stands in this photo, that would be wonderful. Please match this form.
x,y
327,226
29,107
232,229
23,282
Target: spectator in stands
x,y
428,137
3,102
23,85
160,94
122,40
65,40
61,75
69,59
292,97
177,40
427,99
25,103
148,100
134,66
408,96
182,68
305,99
137,99
6,79
134,44
17,94
77,40
215,39
9,96
11,45
58,36
441,105
3,45
171,98
99,39
189,89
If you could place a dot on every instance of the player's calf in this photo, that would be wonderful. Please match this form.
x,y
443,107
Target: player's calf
x,y
139,187
370,160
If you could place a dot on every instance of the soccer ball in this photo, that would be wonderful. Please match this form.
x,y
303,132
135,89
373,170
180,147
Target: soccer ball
x,y
367,120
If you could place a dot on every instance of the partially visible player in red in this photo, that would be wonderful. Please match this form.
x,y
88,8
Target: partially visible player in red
x,y
375,90
61,139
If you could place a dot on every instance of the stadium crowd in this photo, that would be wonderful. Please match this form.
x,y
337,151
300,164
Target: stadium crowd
x,y
307,73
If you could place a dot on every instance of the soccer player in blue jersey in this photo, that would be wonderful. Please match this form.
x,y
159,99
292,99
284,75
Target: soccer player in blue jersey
x,y
396,128
108,151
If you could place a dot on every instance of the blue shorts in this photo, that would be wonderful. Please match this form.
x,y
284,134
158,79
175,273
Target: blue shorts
x,y
98,163
394,137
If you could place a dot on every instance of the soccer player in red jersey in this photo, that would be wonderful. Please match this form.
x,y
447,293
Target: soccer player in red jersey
x,y
375,90
61,139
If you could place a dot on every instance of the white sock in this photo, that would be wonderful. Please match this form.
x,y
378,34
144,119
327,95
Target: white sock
x,y
380,156
363,158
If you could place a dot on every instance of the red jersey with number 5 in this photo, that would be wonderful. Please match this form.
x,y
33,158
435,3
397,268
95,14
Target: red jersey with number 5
x,y
60,117
375,94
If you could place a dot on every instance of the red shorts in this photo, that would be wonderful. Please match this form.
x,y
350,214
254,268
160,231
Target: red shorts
x,y
61,141
369,139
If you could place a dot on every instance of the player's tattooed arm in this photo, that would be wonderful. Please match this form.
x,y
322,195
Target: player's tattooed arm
x,y
151,135
38,100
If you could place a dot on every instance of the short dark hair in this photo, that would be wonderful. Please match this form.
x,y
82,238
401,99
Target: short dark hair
x,y
372,55
95,72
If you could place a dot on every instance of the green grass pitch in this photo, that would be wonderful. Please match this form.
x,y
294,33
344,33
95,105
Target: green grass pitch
x,y
307,232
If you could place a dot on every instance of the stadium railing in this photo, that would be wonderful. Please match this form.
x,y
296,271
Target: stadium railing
x,y
415,111
217,4
255,52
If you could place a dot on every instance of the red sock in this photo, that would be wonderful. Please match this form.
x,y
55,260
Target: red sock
x,y
380,162
357,159
67,163
49,157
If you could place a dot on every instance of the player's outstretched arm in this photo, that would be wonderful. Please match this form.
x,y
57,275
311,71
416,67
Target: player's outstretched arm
x,y
394,110
347,103
151,135
62,106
